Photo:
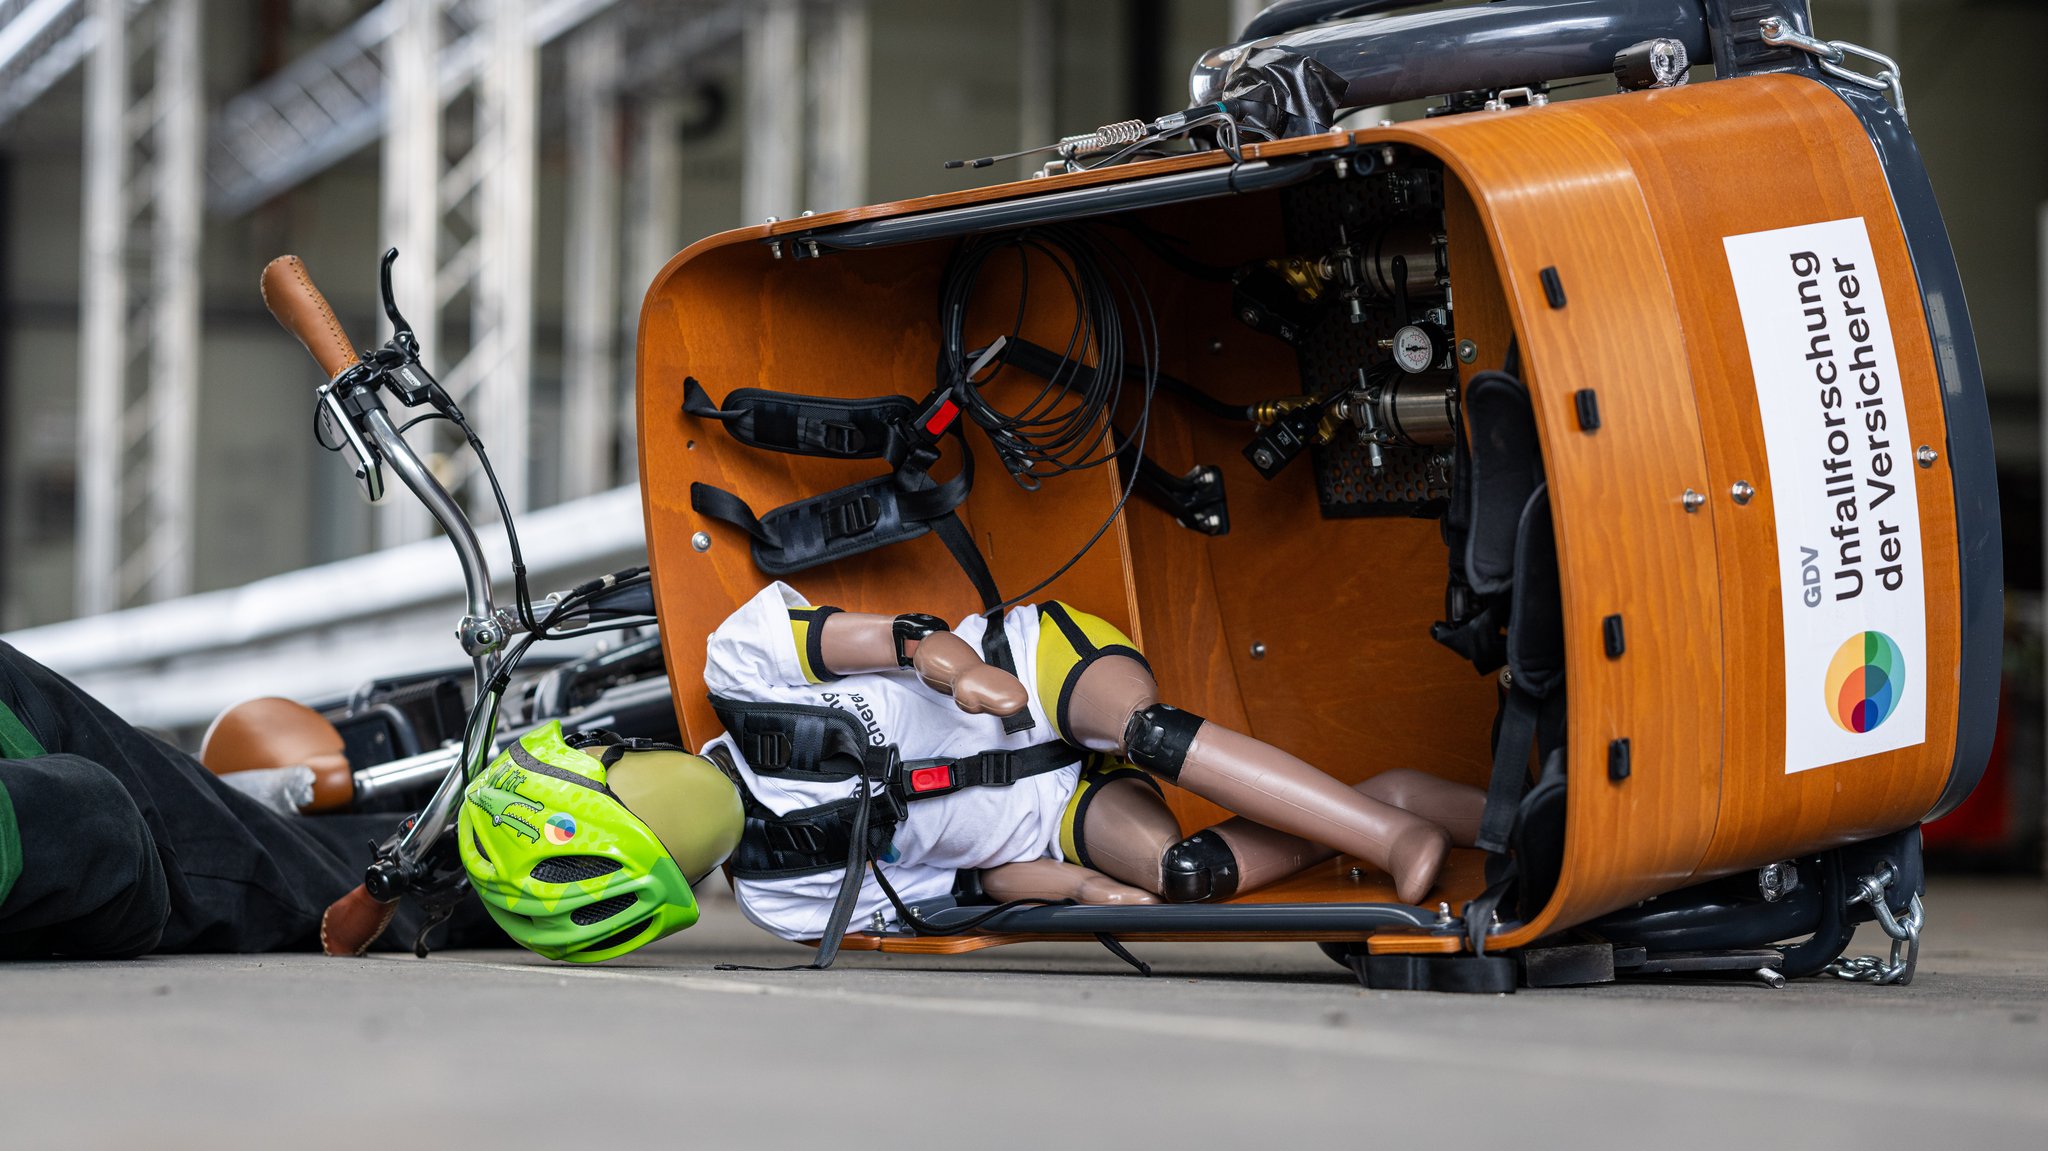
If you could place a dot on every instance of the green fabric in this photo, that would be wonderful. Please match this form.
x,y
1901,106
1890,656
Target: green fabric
x,y
10,842
16,741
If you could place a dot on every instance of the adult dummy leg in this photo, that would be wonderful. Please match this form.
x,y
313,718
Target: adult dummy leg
x,y
1115,707
236,876
79,871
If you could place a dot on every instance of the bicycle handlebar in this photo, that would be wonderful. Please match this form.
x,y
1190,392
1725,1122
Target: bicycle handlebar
x,y
289,293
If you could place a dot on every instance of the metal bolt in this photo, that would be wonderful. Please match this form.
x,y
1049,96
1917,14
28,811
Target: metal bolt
x,y
775,248
701,541
1386,123
1258,651
1774,881
1212,520
774,220
1357,873
1263,458
1249,316
1926,455
1742,492
1771,978
1443,912
486,637
806,212
1467,351
1341,167
1215,347
1694,501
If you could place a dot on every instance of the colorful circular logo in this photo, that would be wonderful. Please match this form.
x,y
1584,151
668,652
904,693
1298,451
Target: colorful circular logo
x,y
561,828
1865,680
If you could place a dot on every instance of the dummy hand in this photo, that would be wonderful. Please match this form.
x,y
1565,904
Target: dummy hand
x,y
947,663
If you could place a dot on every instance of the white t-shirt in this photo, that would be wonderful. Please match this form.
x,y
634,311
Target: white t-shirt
x,y
752,658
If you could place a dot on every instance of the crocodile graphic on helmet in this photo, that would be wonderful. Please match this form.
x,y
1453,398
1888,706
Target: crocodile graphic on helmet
x,y
499,794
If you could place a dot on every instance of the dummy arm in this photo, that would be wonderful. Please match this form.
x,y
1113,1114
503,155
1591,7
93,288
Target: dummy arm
x,y
856,642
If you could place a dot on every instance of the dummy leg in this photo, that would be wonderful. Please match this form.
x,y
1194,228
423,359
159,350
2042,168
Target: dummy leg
x,y
1115,707
1053,879
1239,855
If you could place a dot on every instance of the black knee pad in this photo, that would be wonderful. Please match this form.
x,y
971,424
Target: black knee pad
x,y
1157,739
1198,869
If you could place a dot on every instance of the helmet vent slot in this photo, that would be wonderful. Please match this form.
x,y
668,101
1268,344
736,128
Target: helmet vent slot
x,y
602,910
573,868
617,938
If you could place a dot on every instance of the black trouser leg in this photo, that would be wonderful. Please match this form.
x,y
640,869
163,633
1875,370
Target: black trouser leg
x,y
236,875
89,883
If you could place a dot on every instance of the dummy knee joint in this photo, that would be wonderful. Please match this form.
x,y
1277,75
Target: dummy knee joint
x,y
1198,869
1157,739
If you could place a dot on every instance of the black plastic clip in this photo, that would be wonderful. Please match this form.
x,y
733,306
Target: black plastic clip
x,y
1588,403
1617,642
1553,288
1618,766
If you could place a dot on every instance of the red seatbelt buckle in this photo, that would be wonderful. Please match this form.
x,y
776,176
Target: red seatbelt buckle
x,y
925,779
936,415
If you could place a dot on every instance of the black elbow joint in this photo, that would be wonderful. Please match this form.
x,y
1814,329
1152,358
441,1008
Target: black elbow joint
x,y
1157,739
1199,869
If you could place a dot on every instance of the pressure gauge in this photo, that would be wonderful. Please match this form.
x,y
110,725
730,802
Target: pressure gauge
x,y
1418,347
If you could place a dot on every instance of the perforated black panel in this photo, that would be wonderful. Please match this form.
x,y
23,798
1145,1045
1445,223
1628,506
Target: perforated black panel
x,y
602,910
1320,216
573,868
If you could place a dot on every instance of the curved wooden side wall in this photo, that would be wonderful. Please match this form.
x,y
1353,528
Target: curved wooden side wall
x,y
1628,199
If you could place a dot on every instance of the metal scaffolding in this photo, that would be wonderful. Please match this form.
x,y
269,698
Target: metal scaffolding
x,y
458,203
139,325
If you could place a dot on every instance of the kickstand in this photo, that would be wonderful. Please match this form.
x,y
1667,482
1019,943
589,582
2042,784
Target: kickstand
x,y
1123,953
438,912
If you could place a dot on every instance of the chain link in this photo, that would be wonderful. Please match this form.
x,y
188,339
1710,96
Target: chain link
x,y
1833,57
1903,930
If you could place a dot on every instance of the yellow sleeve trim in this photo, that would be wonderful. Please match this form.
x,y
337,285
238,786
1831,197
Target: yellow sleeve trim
x,y
807,628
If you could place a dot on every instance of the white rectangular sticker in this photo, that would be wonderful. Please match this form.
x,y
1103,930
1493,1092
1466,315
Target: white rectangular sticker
x,y
1841,481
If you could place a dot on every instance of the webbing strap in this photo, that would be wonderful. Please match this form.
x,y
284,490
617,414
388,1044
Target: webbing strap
x,y
807,425
849,886
1511,750
860,517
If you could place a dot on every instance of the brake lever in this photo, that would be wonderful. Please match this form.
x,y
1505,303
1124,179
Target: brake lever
x,y
398,360
334,412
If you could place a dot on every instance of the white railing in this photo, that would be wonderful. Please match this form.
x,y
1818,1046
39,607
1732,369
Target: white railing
x,y
321,631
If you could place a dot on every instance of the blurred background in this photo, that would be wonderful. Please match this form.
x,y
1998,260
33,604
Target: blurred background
x,y
170,534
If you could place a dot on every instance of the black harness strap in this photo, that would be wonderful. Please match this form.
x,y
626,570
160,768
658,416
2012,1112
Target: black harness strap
x,y
858,518
825,744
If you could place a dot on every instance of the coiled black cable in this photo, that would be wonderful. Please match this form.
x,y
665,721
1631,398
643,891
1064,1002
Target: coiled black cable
x,y
1066,423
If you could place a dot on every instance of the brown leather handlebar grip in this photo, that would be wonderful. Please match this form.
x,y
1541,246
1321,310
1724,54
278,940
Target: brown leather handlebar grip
x,y
353,922
289,293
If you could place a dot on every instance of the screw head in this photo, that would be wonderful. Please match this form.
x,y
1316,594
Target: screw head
x,y
1467,351
1742,492
1258,650
1926,456
1263,458
1694,501
701,541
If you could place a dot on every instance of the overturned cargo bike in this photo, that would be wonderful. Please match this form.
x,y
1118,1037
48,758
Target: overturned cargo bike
x,y
1674,388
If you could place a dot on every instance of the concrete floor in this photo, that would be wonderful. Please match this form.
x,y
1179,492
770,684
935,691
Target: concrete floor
x,y
1033,1046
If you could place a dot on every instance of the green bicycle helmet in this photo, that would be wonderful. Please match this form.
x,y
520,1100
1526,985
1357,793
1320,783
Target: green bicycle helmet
x,y
584,861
